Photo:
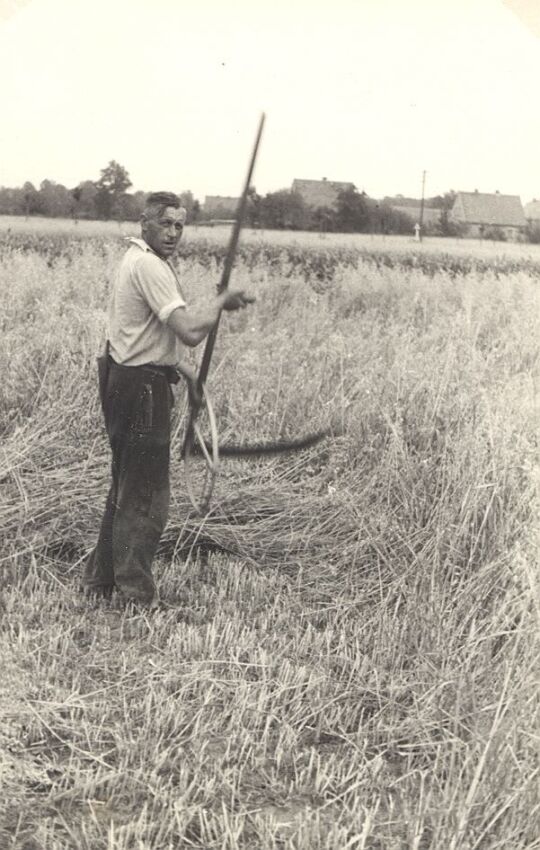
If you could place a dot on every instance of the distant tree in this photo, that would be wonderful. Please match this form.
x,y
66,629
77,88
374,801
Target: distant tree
x,y
112,185
114,178
85,196
283,210
128,207
191,205
323,219
103,202
195,210
384,218
532,232
443,202
11,201
31,199
352,212
140,200
445,226
253,208
75,199
55,200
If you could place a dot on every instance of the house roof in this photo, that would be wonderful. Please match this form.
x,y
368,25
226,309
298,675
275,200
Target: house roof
x,y
491,209
320,193
532,211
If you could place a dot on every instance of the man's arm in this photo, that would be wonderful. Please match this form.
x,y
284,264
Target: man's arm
x,y
192,328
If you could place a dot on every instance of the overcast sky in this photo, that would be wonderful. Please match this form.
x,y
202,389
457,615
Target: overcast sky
x,y
368,91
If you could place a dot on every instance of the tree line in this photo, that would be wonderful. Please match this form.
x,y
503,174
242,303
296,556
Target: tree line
x,y
108,198
353,212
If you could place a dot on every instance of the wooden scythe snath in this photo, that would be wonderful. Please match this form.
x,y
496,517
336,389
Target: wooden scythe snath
x,y
229,259
194,443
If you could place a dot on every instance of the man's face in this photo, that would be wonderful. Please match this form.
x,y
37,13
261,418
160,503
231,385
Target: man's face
x,y
163,233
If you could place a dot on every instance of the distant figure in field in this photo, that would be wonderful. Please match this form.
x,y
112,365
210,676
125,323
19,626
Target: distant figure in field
x,y
148,318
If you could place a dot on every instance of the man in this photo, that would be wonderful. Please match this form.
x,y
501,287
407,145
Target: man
x,y
148,317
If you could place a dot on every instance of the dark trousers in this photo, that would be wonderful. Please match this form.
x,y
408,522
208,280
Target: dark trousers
x,y
136,402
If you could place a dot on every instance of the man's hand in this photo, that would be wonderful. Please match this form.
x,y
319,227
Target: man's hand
x,y
236,299
195,397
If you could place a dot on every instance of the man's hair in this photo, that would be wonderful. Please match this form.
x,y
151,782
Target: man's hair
x,y
156,202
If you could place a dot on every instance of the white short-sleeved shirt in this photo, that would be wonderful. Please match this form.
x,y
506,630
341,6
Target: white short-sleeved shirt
x,y
145,292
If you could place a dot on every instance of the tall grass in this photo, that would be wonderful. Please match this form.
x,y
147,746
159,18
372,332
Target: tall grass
x,y
349,655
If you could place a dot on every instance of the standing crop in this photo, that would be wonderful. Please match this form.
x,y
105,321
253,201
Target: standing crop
x,y
347,650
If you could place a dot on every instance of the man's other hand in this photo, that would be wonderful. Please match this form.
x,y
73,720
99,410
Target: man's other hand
x,y
237,299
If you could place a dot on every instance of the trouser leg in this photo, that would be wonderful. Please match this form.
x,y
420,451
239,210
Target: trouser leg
x,y
141,515
98,575
137,415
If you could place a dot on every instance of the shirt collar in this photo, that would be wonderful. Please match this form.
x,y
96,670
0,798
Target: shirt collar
x,y
134,240
144,246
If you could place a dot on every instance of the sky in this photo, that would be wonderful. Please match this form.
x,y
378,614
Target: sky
x,y
368,91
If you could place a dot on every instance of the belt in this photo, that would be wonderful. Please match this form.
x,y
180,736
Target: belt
x,y
171,374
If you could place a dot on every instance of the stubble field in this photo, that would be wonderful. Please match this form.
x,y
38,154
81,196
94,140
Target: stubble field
x,y
348,654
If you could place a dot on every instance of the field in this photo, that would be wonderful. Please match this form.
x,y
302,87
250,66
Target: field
x,y
347,656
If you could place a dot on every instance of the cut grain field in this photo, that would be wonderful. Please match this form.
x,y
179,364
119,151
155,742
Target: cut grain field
x,y
348,655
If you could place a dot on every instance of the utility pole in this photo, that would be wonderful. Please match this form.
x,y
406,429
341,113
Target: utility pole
x,y
421,222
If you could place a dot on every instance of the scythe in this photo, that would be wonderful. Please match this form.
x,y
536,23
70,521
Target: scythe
x,y
194,443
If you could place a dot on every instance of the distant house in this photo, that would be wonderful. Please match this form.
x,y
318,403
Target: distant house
x,y
320,193
532,212
480,214
221,206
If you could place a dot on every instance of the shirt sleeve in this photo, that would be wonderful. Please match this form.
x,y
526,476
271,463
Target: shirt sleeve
x,y
155,282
